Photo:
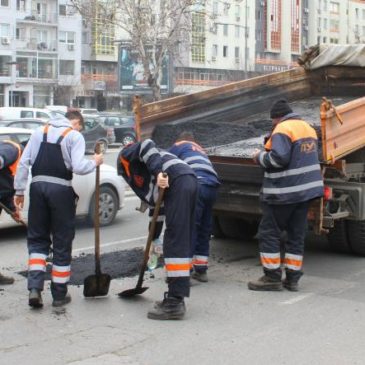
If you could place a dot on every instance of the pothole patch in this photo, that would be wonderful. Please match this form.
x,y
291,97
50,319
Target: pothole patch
x,y
118,264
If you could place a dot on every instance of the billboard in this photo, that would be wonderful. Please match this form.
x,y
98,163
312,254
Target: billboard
x,y
131,73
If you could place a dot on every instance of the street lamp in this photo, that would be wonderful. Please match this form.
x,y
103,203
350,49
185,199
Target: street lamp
x,y
12,63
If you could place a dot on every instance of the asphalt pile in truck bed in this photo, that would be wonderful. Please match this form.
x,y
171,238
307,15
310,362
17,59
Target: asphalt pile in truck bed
x,y
238,138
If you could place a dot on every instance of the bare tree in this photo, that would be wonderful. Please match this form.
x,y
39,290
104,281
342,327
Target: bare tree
x,y
153,28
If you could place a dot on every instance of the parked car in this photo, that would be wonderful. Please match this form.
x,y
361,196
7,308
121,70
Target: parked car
x,y
123,126
20,113
112,188
27,123
57,108
96,132
88,111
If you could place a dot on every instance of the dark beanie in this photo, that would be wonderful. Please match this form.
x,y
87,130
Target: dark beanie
x,y
279,109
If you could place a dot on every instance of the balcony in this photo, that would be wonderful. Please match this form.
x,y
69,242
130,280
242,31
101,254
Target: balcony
x,y
36,68
32,44
99,81
50,19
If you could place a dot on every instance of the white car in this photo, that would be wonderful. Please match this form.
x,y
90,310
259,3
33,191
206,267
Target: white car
x,y
112,188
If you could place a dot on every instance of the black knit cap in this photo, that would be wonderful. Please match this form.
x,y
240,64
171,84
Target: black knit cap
x,y
279,109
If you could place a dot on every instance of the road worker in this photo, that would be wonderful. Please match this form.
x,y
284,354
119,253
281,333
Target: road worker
x,y
189,151
54,152
10,153
292,179
142,165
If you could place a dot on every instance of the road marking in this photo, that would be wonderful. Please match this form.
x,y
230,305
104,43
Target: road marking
x,y
108,244
296,299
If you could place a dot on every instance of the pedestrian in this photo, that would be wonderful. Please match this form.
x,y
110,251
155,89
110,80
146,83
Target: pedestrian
x,y
194,155
10,153
54,152
292,179
142,165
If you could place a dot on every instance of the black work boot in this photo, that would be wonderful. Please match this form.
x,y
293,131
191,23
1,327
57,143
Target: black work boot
x,y
291,280
6,280
200,276
265,283
61,302
35,298
169,308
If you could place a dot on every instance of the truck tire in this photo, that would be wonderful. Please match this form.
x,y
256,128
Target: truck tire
x,y
236,228
337,237
216,229
356,234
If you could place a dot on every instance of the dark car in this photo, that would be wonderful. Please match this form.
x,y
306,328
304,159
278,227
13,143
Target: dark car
x,y
123,126
27,123
94,132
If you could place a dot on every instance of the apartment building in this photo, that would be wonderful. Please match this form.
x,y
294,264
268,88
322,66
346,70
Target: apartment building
x,y
39,52
336,22
221,47
99,68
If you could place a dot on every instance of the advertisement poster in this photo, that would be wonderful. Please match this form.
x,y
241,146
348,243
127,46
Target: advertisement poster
x,y
132,78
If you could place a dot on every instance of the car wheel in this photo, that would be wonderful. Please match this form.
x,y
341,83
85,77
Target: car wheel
x,y
128,138
108,206
103,145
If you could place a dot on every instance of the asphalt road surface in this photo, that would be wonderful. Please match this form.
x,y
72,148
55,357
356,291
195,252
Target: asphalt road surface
x,y
323,323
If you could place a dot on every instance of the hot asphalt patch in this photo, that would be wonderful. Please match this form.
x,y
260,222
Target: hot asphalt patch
x,y
117,264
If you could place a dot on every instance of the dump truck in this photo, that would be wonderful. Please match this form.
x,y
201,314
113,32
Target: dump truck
x,y
340,214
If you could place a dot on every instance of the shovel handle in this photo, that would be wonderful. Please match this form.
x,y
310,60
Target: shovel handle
x,y
11,213
96,215
151,233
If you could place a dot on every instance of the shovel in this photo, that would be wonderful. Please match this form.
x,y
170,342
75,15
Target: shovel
x,y
97,285
139,289
7,210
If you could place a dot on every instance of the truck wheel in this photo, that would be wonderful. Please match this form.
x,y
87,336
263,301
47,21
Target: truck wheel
x,y
356,233
216,229
236,228
337,237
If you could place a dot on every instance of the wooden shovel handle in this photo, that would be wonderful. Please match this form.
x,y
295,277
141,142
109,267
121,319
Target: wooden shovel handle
x,y
96,214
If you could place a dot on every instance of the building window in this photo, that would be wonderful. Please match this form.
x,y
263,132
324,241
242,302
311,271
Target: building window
x,y
226,7
62,10
198,38
67,37
325,23
67,67
225,51
237,12
237,31
4,2
236,53
4,66
215,8
85,38
214,51
20,5
225,29
334,7
334,25
363,31
363,15
2,95
324,5
4,30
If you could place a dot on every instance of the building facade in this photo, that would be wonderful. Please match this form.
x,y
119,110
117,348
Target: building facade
x,y
40,53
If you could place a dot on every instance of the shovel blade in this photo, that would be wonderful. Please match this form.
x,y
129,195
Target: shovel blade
x,y
132,292
97,285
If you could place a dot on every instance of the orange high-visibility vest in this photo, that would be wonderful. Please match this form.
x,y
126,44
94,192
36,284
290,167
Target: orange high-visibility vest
x,y
14,165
